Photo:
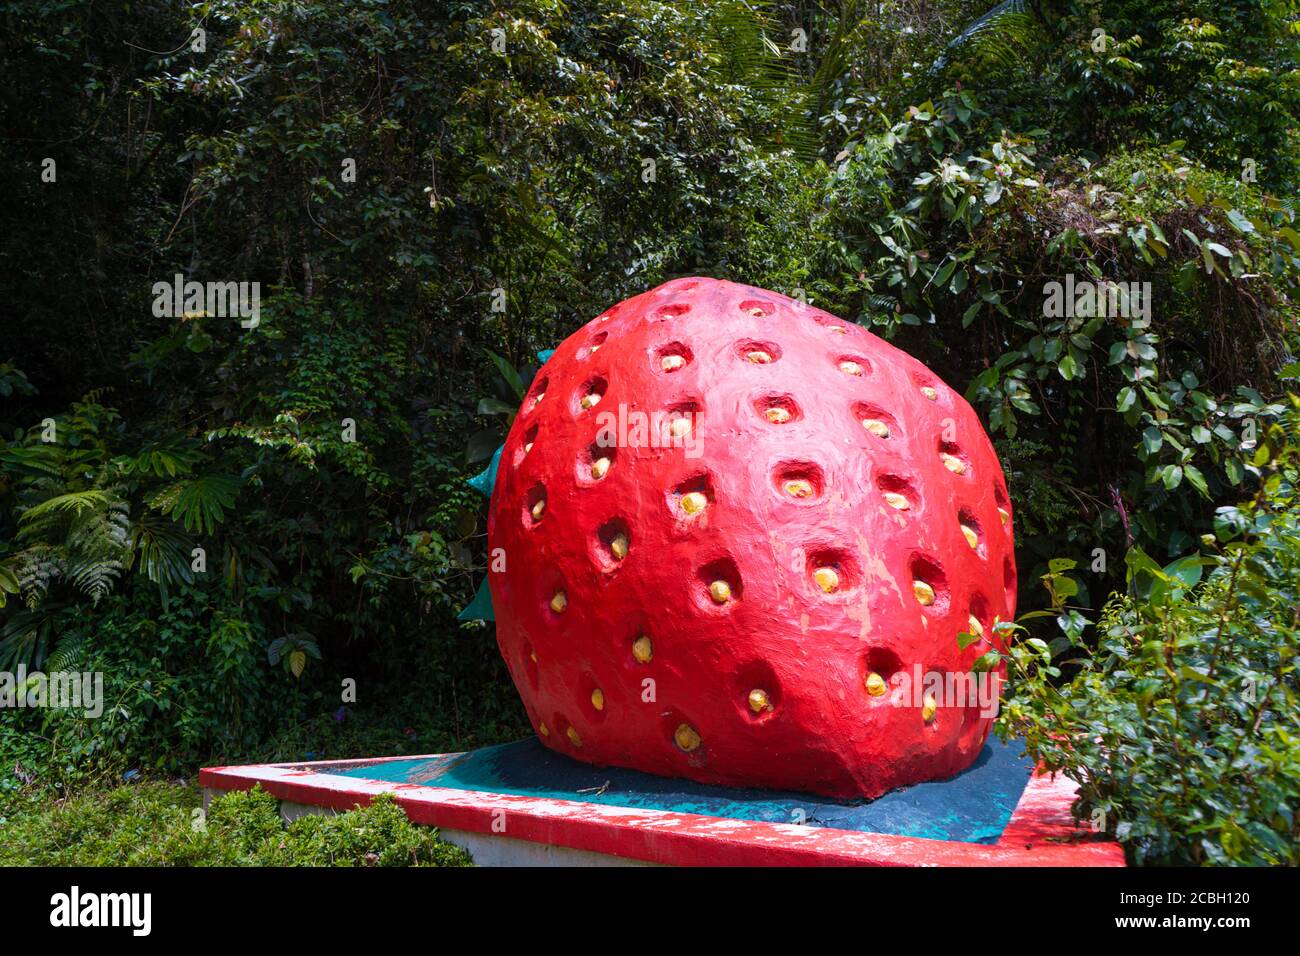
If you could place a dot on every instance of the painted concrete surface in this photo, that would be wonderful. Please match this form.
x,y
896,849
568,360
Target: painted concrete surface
x,y
489,849
972,807
1040,831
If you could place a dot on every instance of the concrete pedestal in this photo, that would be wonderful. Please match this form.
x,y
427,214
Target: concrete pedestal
x,y
523,805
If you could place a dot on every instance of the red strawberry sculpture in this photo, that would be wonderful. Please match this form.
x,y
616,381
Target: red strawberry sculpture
x,y
736,532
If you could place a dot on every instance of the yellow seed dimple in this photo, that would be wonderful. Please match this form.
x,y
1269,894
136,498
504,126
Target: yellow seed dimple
x,y
559,602
528,447
756,311
592,350
928,707
838,328
533,656
573,737
972,536
828,579
895,500
799,488
778,415
924,593
642,650
539,509
850,368
598,699
758,701
618,547
758,357
876,427
975,626
538,400
599,467
589,400
875,684
670,363
543,730
720,591
694,501
686,737
953,463
930,393
1006,518
679,427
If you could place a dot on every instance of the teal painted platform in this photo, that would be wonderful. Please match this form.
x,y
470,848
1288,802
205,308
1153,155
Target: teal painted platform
x,y
972,807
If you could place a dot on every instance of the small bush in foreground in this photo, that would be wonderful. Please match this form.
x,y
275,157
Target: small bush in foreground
x,y
1181,726
159,824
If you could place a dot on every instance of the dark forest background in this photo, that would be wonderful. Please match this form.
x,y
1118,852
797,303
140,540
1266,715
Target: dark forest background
x,y
922,168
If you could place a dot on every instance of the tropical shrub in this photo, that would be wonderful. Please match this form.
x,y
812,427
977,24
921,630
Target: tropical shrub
x,y
1180,724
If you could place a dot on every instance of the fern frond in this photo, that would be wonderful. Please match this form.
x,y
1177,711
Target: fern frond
x,y
94,576
36,568
83,537
743,31
67,653
98,546
73,501
32,459
1001,39
100,532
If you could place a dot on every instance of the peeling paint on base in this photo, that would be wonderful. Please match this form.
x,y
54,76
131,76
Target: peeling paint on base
x,y
496,827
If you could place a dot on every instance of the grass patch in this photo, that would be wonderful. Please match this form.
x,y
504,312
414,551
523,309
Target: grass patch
x,y
162,824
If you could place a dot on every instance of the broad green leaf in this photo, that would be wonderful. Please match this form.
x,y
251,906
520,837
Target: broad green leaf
x,y
1186,570
200,503
508,373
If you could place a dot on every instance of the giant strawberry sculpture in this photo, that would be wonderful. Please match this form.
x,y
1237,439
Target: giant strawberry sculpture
x,y
734,529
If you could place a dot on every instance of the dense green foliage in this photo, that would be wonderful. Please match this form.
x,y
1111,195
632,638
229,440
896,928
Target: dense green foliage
x,y
1181,725
923,169
159,824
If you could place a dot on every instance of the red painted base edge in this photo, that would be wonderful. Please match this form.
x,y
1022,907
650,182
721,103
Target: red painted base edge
x,y
1041,831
